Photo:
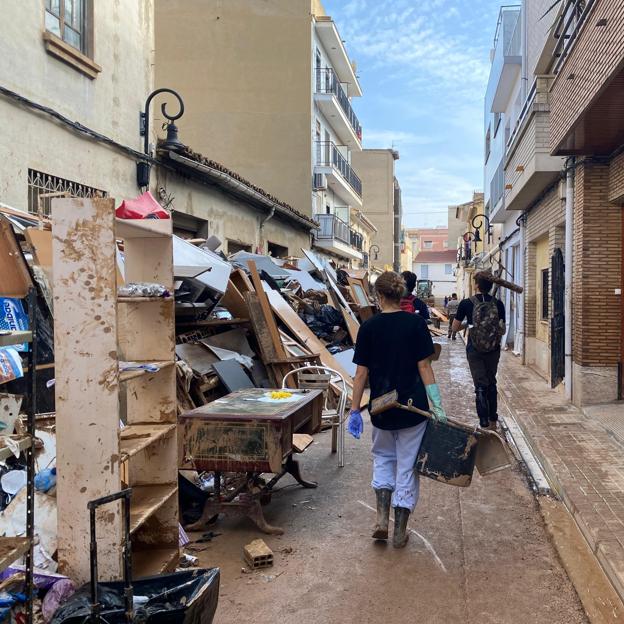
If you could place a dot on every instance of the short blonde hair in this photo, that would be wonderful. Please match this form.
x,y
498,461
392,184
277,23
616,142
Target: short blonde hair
x,y
391,285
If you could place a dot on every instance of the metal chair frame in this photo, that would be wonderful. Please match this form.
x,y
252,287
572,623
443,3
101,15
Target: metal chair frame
x,y
336,416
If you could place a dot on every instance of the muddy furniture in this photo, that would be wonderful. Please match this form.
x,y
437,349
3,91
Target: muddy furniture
x,y
247,433
95,329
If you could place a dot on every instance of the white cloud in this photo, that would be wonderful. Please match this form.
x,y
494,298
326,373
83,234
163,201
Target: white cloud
x,y
394,138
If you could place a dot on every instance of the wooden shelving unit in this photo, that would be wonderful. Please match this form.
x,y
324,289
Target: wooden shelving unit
x,y
95,329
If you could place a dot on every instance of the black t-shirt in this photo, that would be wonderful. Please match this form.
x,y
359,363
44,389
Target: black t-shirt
x,y
390,345
464,311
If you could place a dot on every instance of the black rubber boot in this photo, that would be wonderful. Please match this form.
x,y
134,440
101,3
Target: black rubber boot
x,y
400,537
383,514
492,398
483,409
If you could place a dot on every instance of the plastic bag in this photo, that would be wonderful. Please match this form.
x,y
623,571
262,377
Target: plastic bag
x,y
57,594
143,289
10,365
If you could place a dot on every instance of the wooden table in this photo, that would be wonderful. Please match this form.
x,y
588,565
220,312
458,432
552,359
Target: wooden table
x,y
247,432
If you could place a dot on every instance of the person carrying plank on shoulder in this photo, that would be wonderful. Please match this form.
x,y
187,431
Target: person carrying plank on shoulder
x,y
485,316
410,302
392,352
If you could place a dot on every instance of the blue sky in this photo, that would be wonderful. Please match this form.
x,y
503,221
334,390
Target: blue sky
x,y
423,66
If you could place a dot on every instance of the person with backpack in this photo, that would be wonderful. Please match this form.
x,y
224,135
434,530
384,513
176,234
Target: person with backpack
x,y
485,316
410,302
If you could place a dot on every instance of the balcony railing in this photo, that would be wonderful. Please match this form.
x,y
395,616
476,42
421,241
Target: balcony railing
x,y
567,27
332,227
328,155
327,82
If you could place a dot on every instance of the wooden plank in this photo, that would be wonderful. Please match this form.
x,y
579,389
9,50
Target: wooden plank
x,y
147,499
41,244
439,315
154,561
266,310
290,318
15,338
11,549
301,441
135,438
14,275
261,330
241,281
143,228
233,301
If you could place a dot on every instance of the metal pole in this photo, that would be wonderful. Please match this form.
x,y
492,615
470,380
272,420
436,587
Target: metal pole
x,y
30,454
568,261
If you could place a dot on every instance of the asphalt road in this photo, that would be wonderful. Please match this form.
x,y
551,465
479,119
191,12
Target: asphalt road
x,y
476,555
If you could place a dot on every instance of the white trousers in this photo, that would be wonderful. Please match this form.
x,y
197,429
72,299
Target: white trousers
x,y
394,457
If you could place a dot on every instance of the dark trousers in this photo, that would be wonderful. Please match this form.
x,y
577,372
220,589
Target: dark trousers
x,y
451,333
483,367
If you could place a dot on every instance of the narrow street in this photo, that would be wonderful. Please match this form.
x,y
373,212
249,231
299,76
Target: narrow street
x,y
477,555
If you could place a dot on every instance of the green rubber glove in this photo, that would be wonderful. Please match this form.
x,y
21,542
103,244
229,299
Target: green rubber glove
x,y
435,402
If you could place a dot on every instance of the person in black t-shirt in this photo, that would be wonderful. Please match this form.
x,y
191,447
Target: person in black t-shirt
x,y
410,302
392,351
483,363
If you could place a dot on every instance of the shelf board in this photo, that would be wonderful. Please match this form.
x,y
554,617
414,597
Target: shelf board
x,y
132,374
11,549
135,438
23,442
14,338
143,228
147,500
142,299
154,561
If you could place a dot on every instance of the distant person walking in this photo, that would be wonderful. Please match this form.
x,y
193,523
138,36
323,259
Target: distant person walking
x,y
486,319
451,310
410,302
392,352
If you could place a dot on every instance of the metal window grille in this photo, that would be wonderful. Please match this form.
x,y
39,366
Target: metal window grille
x,y
43,188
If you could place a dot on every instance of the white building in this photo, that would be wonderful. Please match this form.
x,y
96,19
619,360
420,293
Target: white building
x,y
518,166
437,266
336,131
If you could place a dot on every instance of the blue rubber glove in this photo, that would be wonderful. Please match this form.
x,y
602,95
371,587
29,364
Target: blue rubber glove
x,y
435,402
355,426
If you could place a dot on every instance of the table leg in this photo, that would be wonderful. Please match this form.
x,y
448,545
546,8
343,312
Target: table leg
x,y
293,468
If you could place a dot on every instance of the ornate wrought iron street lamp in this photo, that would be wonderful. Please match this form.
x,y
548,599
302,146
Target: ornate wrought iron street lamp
x,y
172,142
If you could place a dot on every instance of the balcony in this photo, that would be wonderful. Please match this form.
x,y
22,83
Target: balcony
x,y
341,178
529,167
506,59
334,47
335,236
334,103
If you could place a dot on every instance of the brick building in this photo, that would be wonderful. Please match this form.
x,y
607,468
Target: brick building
x,y
583,110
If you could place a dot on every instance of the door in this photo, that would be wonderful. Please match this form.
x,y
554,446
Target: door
x,y
557,321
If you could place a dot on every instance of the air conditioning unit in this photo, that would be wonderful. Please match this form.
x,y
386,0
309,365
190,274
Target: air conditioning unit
x,y
320,182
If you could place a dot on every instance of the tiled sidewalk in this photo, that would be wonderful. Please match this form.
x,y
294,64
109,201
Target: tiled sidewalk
x,y
583,460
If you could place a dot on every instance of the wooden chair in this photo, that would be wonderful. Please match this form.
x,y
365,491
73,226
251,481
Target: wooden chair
x,y
325,378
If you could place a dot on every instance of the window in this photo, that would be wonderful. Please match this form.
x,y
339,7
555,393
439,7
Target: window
x,y
488,145
66,20
545,293
43,188
424,271
235,246
427,244
277,251
497,121
448,269
445,243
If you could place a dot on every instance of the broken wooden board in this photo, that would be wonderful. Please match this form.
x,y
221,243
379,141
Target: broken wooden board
x,y
304,334
40,242
301,441
260,286
439,314
233,301
15,278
